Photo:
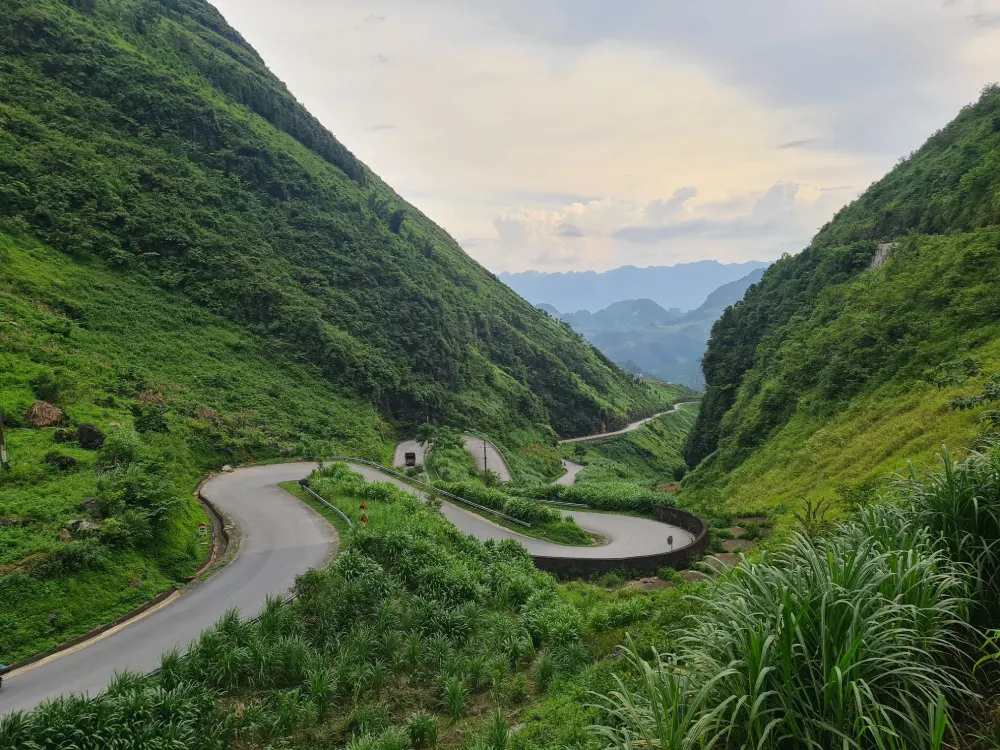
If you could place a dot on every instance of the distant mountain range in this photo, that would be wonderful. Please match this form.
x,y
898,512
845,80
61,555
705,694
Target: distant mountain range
x,y
643,338
684,286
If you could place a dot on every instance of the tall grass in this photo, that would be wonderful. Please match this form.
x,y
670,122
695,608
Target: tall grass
x,y
859,640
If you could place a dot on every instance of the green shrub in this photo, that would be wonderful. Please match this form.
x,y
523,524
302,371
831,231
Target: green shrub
x,y
613,496
453,696
421,728
854,639
519,508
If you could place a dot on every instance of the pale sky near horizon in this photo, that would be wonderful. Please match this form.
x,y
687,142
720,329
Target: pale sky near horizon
x,y
563,135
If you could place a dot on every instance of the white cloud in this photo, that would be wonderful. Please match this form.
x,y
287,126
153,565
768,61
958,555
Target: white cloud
x,y
538,133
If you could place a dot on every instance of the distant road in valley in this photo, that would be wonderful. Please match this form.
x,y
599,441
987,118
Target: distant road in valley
x,y
625,430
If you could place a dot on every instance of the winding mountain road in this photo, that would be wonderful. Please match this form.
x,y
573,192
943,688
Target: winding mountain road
x,y
280,539
569,478
625,430
494,459
491,458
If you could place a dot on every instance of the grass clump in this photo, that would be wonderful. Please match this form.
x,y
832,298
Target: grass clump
x,y
861,639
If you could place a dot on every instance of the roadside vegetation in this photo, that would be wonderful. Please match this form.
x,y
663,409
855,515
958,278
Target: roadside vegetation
x,y
416,636
176,391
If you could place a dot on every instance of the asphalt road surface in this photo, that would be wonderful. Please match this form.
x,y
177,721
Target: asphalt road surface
x,y
569,478
408,446
626,536
281,538
494,461
631,428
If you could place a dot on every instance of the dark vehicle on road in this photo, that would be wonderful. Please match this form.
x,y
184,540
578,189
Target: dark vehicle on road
x,y
410,459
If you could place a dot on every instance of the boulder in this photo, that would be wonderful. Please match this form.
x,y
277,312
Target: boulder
x,y
91,506
61,436
44,414
90,437
81,526
65,536
228,469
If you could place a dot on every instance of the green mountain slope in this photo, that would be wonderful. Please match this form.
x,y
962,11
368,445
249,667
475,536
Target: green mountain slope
x,y
149,135
191,262
866,347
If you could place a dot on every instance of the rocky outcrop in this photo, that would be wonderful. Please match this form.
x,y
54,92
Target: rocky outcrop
x,y
90,437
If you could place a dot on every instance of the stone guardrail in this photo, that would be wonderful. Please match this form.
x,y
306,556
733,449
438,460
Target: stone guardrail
x,y
678,559
585,567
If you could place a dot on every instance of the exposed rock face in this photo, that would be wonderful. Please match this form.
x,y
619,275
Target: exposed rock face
x,y
43,414
80,526
90,437
91,506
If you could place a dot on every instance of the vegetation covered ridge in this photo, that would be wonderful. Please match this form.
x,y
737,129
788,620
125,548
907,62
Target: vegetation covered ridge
x,y
857,353
193,166
193,265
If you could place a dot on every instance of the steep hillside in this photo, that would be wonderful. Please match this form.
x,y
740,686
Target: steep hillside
x,y
871,345
149,135
192,263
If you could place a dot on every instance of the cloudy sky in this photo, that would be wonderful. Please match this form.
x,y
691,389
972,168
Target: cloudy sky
x,y
587,134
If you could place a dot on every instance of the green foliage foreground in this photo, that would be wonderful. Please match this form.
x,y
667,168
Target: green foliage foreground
x,y
864,639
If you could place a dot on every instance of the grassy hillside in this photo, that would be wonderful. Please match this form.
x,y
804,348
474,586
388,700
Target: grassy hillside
x,y
192,263
191,390
869,347
651,455
149,135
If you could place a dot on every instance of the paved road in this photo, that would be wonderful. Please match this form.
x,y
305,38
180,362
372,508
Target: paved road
x,y
408,446
494,460
569,478
626,536
281,538
631,428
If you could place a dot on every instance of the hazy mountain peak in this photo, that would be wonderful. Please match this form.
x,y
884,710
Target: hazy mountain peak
x,y
684,286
